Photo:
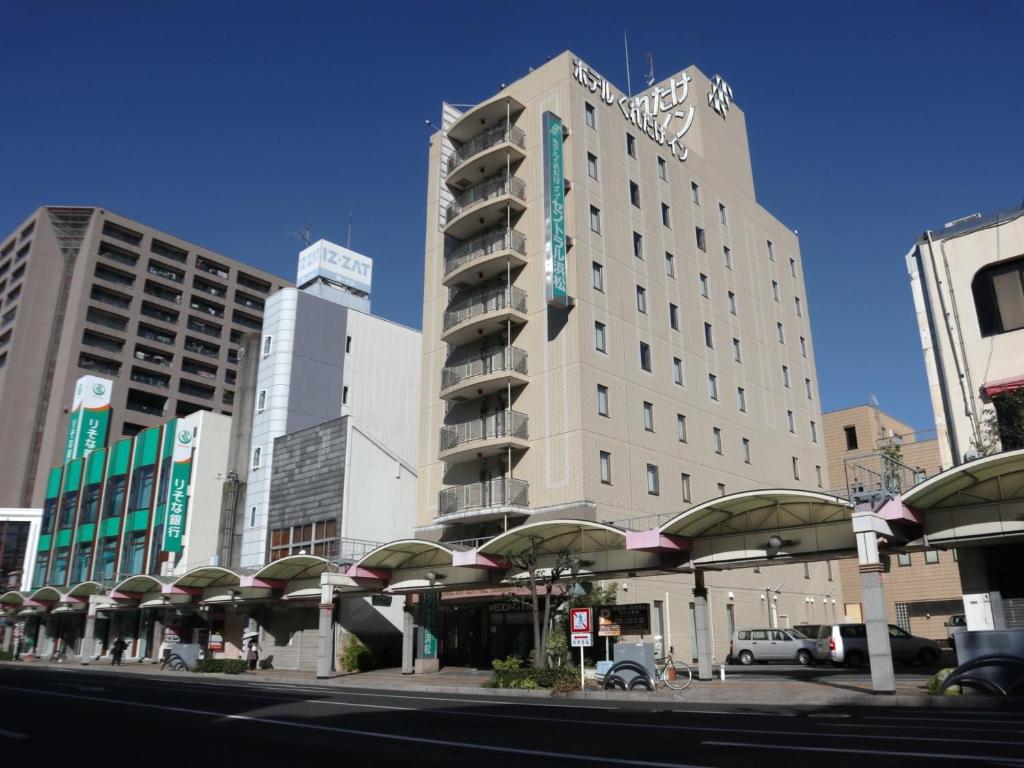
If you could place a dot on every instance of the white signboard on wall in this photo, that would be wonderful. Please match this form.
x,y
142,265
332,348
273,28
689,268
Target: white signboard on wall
x,y
335,263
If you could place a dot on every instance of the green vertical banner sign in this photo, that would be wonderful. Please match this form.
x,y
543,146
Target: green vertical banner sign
x,y
429,624
555,269
90,417
177,486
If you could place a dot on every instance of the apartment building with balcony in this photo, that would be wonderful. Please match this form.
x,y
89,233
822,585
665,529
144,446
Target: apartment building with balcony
x,y
85,290
614,328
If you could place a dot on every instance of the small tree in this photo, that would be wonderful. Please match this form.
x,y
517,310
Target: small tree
x,y
892,461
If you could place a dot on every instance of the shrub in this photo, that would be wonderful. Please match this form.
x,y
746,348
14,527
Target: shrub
x,y
6,656
935,683
356,657
227,666
510,673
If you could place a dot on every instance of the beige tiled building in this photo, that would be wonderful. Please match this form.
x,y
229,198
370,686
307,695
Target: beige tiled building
x,y
86,291
922,589
680,367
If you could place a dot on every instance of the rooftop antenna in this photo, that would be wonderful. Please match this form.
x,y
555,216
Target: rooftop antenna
x,y
348,243
873,399
304,234
629,86
650,70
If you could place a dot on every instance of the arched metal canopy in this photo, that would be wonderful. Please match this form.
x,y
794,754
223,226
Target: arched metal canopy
x,y
46,594
553,536
12,598
85,588
141,583
296,567
208,576
407,553
982,500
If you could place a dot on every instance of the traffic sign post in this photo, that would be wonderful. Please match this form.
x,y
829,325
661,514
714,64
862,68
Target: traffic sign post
x,y
581,634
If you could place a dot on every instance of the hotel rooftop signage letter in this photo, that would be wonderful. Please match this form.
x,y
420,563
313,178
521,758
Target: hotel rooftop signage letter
x,y
659,113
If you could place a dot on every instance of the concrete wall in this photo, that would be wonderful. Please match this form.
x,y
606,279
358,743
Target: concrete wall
x,y
209,466
380,495
308,480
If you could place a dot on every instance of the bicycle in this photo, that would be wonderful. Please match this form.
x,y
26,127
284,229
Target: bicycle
x,y
676,675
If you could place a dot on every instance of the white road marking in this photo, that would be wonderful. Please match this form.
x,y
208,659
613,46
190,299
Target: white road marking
x,y
972,729
886,753
368,734
12,734
980,719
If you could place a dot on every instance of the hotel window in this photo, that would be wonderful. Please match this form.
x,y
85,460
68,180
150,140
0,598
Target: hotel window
x,y
652,479
344,395
807,386
665,216
595,220
817,471
645,356
727,256
649,416
792,267
638,245
709,335
999,297
634,193
775,290
602,400
702,242
598,273
814,432
716,439
721,489
741,399
681,427
662,169
591,115
641,299
803,346
737,352
261,401
721,214
712,386
677,371
257,457
591,165
791,419
785,376
796,468
673,317
606,467
746,450
268,343
732,303
695,192
670,264
631,145
903,559
799,310
931,556
851,438
771,251
599,340
686,486
348,345
319,539
252,517
705,290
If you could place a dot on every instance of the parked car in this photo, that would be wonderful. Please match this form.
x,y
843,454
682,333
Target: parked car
x,y
763,645
848,644
957,623
810,630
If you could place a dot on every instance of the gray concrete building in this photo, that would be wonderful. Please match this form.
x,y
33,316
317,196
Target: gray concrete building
x,y
85,290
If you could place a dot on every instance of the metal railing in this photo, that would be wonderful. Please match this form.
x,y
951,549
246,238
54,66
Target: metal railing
x,y
499,134
482,302
501,424
487,362
498,492
484,245
486,190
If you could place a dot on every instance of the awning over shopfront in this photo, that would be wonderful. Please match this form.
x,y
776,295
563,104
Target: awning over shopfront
x,y
295,567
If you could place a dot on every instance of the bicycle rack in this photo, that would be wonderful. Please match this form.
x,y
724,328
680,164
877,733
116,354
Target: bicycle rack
x,y
642,677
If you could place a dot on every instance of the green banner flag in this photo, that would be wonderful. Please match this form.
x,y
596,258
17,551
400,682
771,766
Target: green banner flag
x,y
89,418
555,268
177,486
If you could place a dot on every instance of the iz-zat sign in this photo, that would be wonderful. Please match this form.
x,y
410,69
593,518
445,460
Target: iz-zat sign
x,y
659,113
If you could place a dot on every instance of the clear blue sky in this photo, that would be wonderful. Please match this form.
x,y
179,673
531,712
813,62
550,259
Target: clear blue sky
x,y
233,124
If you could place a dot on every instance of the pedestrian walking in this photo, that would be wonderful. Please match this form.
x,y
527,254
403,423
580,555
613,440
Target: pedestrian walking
x,y
164,651
117,651
252,655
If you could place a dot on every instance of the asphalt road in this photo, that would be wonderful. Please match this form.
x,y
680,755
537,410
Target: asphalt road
x,y
79,717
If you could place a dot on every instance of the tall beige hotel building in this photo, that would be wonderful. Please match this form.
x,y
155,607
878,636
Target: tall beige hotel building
x,y
613,328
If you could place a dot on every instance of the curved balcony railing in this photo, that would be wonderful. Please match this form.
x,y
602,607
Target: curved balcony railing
x,y
484,245
484,302
498,492
496,425
488,362
486,190
497,135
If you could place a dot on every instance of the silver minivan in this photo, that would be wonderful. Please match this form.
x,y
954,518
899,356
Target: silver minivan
x,y
762,645
848,644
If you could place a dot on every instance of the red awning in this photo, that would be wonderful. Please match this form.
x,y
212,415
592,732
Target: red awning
x,y
994,388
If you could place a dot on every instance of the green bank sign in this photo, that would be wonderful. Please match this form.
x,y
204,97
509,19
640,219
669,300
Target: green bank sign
x,y
555,270
89,418
177,486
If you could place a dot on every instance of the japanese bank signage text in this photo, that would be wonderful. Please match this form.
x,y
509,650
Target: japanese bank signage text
x,y
334,263
661,113
628,619
555,269
177,486
90,417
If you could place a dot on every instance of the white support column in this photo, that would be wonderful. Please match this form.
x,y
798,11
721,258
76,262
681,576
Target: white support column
x,y
408,639
868,527
702,625
325,651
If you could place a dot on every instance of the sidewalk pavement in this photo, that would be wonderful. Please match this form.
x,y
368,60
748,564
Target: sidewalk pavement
x,y
733,691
